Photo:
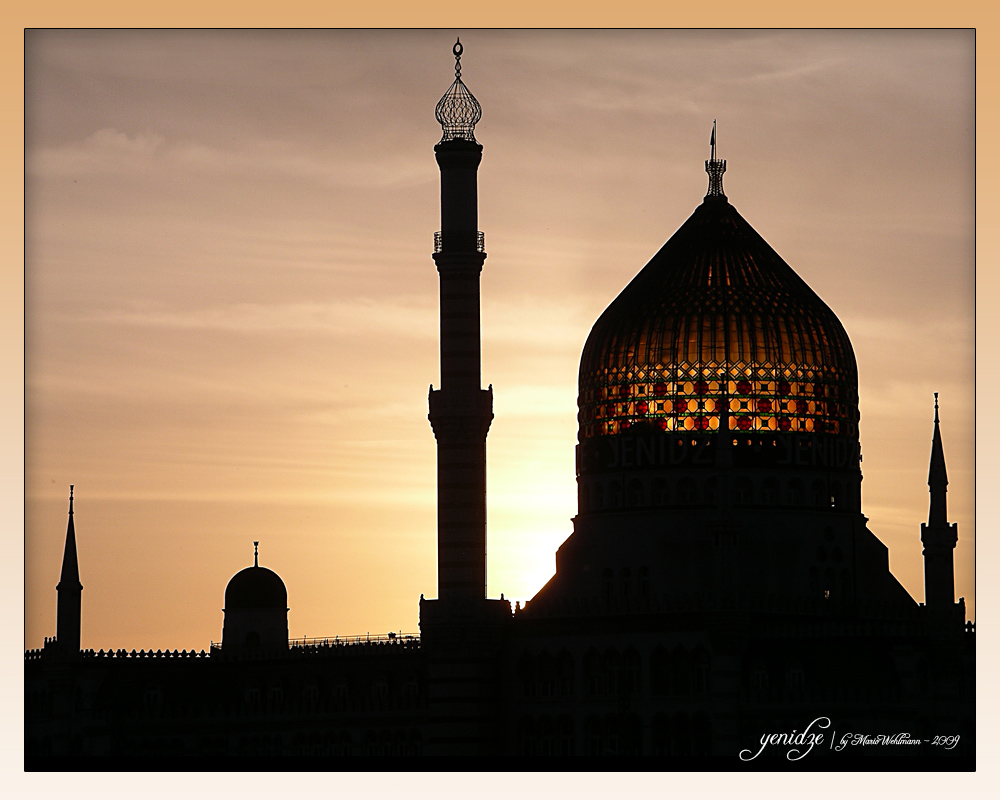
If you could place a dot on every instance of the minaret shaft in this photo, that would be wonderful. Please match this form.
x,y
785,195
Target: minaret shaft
x,y
460,410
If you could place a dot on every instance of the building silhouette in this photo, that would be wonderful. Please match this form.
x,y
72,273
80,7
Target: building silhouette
x,y
720,583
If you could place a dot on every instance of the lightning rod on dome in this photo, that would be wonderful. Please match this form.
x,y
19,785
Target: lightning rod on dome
x,y
255,553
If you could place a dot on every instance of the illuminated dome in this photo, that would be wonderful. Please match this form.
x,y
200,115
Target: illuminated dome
x,y
717,330
256,588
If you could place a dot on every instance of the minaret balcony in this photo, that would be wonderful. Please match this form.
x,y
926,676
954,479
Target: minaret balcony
x,y
459,242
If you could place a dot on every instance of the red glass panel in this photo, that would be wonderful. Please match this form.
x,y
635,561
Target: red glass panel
x,y
744,423
763,405
801,406
784,423
784,388
700,387
659,389
624,390
641,407
663,424
743,387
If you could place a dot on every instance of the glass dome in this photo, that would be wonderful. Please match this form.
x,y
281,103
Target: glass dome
x,y
718,331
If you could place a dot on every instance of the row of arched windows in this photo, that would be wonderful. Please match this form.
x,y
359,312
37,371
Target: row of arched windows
x,y
598,495
625,588
678,672
378,692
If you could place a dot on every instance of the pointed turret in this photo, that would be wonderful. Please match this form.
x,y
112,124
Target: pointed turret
x,y
938,536
70,592
937,478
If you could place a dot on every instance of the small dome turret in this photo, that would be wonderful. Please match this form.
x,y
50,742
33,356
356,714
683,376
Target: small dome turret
x,y
256,612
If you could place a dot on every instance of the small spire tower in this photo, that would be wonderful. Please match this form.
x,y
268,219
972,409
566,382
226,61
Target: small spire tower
x,y
938,536
715,169
460,410
69,593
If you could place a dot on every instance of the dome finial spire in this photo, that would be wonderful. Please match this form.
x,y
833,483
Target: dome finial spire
x,y
255,553
458,111
71,485
714,167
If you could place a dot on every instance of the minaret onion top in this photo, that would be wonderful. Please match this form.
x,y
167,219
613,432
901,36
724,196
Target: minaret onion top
x,y
458,111
714,167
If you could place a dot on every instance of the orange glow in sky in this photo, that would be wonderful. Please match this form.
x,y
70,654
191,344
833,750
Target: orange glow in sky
x,y
231,308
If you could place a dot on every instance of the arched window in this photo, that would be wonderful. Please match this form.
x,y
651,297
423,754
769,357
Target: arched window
x,y
631,672
526,736
644,584
544,731
819,496
845,583
742,491
795,681
759,680
526,674
635,498
340,694
626,585
814,587
659,491
680,667
607,585
546,675
598,496
702,670
660,734
593,676
592,736
612,670
769,492
565,727
659,672
795,492
686,491
564,673
701,734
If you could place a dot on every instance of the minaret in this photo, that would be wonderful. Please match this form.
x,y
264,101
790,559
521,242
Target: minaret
x,y
938,536
460,410
70,592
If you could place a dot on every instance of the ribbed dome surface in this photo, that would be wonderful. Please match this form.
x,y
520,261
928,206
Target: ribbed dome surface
x,y
718,319
256,587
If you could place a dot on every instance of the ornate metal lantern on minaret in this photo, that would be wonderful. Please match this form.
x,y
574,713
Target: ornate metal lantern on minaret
x,y
460,410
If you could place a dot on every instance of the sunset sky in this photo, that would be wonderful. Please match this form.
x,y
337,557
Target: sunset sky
x,y
231,308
